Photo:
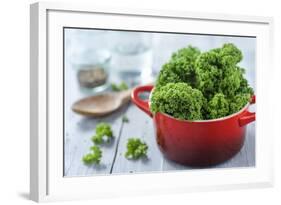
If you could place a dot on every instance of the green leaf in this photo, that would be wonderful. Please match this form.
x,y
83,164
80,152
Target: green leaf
x,y
121,87
178,100
103,133
136,149
97,139
94,157
215,74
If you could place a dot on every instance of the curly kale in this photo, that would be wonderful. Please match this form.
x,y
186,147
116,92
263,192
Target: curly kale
x,y
103,133
218,106
94,157
238,102
178,100
180,68
214,74
217,71
136,149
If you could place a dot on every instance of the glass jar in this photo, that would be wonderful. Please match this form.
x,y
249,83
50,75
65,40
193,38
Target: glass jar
x,y
90,56
132,55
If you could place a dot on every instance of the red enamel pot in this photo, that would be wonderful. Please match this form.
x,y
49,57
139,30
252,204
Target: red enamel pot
x,y
200,142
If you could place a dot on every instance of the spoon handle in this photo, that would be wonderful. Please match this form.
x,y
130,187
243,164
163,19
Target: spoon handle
x,y
125,96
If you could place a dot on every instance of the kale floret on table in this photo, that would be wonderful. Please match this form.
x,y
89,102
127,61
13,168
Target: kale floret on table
x,y
103,133
136,149
94,157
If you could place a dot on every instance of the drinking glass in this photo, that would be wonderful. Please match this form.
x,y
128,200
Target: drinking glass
x,y
132,55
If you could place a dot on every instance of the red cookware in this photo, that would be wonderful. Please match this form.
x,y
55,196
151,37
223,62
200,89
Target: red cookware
x,y
200,142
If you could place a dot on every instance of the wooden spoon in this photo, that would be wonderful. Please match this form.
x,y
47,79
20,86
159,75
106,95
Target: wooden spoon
x,y
103,104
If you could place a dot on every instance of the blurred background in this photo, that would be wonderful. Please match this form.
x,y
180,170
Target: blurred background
x,y
99,58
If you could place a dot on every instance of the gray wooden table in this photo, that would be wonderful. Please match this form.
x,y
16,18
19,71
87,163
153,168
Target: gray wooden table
x,y
79,130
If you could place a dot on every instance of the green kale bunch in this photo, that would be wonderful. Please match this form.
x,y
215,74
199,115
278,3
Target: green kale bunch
x,y
221,81
213,75
178,100
217,71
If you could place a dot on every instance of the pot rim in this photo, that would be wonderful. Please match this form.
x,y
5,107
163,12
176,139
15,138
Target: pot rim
x,y
202,121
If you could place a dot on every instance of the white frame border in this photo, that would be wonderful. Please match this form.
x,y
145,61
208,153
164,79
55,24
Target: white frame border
x,y
39,94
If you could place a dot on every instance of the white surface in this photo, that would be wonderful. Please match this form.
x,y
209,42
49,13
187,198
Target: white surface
x,y
101,186
14,147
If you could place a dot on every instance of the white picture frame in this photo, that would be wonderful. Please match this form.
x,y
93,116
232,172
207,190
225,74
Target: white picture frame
x,y
46,177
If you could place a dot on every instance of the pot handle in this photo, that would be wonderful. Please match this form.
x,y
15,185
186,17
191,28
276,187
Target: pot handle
x,y
142,104
248,116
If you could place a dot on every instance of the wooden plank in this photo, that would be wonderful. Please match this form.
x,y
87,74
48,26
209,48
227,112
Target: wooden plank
x,y
250,143
80,142
140,125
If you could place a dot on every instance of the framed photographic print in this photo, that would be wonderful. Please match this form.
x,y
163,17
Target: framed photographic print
x,y
127,102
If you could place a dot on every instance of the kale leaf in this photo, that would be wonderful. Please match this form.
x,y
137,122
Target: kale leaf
x,y
196,85
136,149
94,157
103,133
